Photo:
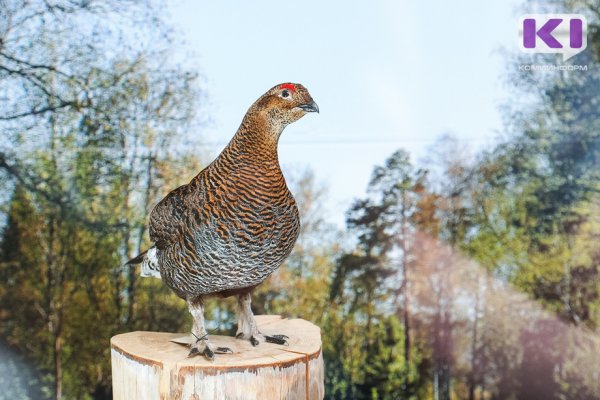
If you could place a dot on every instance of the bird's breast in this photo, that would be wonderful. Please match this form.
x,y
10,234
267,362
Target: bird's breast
x,y
243,225
253,210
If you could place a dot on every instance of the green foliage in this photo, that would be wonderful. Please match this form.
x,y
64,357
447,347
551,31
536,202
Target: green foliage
x,y
477,278
526,212
372,356
87,149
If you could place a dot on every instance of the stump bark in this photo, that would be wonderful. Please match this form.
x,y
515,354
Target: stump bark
x,y
148,365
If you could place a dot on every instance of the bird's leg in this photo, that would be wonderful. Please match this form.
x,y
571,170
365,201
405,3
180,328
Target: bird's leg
x,y
247,328
201,346
196,308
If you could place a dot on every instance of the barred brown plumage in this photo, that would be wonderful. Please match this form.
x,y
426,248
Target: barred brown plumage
x,y
235,223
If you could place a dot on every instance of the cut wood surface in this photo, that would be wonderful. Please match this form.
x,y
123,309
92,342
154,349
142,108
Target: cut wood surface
x,y
148,365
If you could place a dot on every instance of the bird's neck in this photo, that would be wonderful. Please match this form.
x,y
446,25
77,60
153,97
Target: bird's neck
x,y
256,139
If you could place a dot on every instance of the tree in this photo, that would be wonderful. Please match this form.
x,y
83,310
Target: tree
x,y
89,131
368,281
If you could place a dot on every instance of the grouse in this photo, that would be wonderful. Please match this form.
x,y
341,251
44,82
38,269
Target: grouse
x,y
235,223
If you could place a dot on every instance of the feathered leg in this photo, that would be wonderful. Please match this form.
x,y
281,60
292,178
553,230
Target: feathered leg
x,y
201,346
247,328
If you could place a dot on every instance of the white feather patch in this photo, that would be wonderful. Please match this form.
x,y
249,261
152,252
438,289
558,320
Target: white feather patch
x,y
150,264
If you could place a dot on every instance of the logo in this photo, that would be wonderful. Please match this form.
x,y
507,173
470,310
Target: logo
x,y
564,34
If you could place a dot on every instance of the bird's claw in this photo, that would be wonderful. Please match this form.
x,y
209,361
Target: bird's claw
x,y
277,339
223,350
257,338
252,338
208,353
193,352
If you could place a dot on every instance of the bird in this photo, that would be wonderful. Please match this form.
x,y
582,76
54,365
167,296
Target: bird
x,y
234,223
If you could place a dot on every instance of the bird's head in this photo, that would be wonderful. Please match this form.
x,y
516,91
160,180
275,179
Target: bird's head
x,y
285,103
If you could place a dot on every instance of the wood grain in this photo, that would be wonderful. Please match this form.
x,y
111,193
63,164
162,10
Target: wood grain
x,y
148,365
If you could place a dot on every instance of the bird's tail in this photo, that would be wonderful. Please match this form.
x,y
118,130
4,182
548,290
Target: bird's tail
x,y
138,259
149,261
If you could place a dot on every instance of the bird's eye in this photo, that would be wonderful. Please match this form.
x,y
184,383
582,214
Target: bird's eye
x,y
285,94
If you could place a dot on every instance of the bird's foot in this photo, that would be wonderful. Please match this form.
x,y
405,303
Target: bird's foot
x,y
201,347
258,337
207,352
277,339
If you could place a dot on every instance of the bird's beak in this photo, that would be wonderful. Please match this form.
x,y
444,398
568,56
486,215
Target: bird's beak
x,y
310,107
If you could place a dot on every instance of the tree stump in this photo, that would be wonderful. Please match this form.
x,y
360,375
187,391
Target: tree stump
x,y
148,365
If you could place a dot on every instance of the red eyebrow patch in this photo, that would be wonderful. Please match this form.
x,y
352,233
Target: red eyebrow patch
x,y
288,86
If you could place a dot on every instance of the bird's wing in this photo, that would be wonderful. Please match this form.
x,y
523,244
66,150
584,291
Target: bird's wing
x,y
168,217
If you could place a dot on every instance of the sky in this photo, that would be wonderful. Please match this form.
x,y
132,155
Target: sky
x,y
385,74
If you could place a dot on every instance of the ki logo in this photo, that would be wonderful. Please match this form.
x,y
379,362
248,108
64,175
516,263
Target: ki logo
x,y
564,34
